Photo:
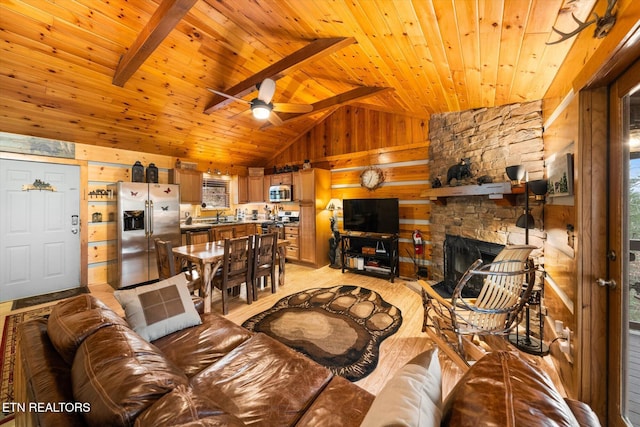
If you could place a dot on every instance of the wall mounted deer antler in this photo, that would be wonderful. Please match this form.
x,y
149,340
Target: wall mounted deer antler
x,y
603,24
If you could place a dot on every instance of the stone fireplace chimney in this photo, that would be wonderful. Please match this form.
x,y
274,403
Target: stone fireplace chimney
x,y
492,139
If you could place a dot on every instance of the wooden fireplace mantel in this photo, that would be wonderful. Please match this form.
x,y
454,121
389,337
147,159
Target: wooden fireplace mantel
x,y
503,193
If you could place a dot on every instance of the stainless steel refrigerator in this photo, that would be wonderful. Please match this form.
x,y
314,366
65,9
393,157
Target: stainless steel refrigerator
x,y
143,212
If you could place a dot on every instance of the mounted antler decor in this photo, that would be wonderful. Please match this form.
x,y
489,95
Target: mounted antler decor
x,y
603,24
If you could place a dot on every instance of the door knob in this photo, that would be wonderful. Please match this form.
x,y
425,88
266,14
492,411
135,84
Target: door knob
x,y
610,283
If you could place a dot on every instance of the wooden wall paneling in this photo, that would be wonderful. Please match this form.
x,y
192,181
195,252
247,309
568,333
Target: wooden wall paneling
x,y
590,372
406,176
124,157
560,258
99,252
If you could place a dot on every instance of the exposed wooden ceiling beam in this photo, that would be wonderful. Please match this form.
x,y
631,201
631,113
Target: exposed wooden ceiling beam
x,y
335,101
301,57
162,22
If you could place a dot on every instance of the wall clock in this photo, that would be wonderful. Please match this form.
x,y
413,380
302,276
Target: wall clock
x,y
371,178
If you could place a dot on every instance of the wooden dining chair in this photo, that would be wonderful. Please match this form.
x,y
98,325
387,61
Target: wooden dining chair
x,y
236,269
194,237
507,284
225,234
264,261
167,266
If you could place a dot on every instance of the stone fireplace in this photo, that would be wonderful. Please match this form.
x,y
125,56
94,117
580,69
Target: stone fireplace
x,y
459,254
492,139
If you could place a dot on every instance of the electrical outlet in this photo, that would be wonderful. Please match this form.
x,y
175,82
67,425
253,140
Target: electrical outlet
x,y
559,326
565,346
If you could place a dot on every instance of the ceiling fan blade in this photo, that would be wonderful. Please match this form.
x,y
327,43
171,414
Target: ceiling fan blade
x,y
274,119
284,107
266,90
228,96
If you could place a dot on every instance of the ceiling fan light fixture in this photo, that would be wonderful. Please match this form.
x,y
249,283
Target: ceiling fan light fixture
x,y
260,109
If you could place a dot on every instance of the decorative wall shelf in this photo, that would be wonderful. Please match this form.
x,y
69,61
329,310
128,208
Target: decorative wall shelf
x,y
503,193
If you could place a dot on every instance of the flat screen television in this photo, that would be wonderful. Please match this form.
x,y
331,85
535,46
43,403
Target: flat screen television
x,y
371,215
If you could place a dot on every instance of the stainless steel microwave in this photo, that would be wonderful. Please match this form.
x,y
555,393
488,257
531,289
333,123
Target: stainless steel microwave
x,y
280,193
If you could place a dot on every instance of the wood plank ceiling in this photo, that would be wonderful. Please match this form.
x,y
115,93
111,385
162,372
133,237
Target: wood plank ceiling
x,y
59,59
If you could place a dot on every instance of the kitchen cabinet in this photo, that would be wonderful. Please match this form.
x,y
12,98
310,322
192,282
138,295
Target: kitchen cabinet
x,y
230,231
293,249
281,179
250,189
295,186
255,189
190,182
314,229
243,189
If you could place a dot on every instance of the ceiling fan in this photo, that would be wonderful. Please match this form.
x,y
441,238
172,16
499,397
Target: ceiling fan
x,y
262,107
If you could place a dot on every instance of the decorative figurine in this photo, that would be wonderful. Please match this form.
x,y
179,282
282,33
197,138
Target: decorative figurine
x,y
436,182
459,171
137,172
152,173
484,179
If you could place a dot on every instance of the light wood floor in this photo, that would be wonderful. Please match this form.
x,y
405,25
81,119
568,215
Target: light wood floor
x,y
395,351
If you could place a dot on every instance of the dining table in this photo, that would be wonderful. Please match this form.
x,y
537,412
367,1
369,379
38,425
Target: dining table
x,y
208,257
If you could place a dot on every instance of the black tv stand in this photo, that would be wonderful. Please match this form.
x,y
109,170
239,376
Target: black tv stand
x,y
370,253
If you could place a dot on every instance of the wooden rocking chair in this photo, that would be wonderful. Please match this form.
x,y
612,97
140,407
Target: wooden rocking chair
x,y
507,285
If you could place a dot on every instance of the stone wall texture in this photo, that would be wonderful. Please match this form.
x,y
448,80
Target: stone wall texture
x,y
492,139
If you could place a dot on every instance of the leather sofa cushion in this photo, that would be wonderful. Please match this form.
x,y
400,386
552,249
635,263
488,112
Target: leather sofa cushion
x,y
71,321
120,374
341,403
181,407
263,382
46,375
502,389
193,349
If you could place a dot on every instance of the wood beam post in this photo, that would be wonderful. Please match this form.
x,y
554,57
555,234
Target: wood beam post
x,y
301,57
164,19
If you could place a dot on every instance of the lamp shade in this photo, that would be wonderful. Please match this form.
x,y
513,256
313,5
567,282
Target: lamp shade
x,y
526,221
515,173
334,204
260,109
538,188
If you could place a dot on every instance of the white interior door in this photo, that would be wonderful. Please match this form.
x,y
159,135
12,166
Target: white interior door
x,y
39,229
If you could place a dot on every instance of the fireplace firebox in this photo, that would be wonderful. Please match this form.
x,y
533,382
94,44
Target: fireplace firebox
x,y
459,254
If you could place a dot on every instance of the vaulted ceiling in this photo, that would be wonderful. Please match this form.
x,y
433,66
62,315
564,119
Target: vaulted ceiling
x,y
59,62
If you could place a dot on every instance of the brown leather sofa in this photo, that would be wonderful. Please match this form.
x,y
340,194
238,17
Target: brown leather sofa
x,y
84,365
502,389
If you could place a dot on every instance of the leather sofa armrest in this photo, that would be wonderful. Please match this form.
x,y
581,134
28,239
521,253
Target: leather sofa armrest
x,y
479,396
45,375
583,413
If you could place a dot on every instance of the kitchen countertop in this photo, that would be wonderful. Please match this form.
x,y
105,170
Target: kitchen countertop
x,y
199,224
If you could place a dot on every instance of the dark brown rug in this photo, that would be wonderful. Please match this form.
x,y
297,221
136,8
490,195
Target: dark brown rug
x,y
341,328
8,353
53,296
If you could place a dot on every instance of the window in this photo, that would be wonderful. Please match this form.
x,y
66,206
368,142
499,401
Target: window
x,y
215,192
